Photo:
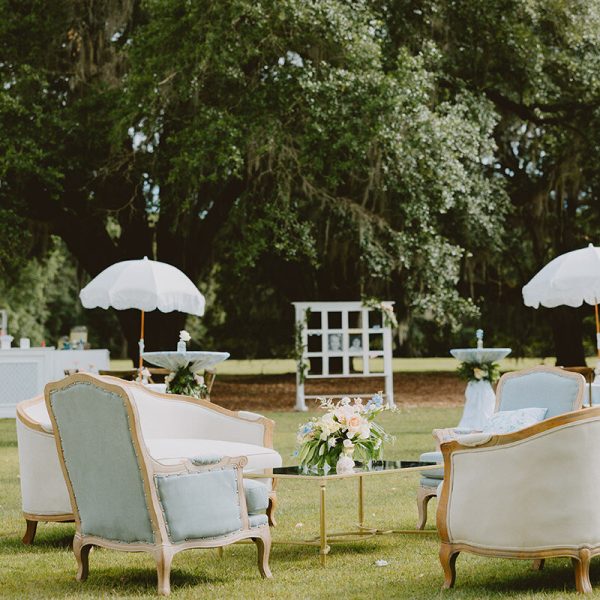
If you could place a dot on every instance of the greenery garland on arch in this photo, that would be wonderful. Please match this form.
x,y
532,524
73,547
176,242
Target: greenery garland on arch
x,y
299,346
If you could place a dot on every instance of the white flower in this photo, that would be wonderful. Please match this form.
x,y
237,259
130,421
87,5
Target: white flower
x,y
184,336
478,373
365,431
348,443
331,442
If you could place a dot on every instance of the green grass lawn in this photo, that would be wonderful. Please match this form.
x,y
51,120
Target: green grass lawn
x,y
277,366
47,569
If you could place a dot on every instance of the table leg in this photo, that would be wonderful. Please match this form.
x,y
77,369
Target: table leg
x,y
361,506
324,548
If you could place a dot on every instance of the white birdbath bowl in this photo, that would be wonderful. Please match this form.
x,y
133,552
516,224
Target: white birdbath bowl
x,y
195,361
480,399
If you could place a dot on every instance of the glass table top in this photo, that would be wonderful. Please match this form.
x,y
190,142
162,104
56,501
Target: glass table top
x,y
360,469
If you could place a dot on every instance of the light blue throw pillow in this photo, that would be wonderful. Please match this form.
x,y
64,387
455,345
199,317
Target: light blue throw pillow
x,y
507,421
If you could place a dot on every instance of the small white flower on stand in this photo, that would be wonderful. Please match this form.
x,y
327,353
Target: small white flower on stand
x,y
184,338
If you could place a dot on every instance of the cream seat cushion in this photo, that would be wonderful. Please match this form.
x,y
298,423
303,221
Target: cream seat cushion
x,y
259,457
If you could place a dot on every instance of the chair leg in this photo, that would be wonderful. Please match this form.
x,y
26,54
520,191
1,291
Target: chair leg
x,y
30,532
582,571
538,564
448,558
263,545
271,509
82,554
424,495
164,557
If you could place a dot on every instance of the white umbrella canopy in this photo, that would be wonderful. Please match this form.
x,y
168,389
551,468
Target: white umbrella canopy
x,y
146,285
143,284
570,279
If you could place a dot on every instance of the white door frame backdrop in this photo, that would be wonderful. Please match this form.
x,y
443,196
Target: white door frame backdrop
x,y
342,339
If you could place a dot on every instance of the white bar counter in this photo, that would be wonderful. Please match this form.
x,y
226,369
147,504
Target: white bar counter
x,y
24,373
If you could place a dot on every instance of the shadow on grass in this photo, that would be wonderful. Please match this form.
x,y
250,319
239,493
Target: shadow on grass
x,y
45,541
142,579
557,576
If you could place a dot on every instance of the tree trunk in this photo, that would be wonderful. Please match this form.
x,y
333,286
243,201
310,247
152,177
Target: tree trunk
x,y
567,332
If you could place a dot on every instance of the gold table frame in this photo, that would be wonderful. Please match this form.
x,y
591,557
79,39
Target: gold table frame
x,y
362,531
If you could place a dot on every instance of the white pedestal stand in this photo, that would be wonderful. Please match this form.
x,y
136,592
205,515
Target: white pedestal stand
x,y
480,399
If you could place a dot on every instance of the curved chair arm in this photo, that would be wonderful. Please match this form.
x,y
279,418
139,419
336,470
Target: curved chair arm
x,y
185,465
175,416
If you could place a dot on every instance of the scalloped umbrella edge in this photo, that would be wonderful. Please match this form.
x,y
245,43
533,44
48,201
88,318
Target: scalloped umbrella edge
x,y
145,285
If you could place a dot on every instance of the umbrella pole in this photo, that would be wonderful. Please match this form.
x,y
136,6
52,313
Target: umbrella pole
x,y
141,345
597,329
597,369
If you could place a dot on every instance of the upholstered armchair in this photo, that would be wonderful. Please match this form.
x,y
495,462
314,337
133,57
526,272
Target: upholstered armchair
x,y
485,505
172,426
124,499
553,388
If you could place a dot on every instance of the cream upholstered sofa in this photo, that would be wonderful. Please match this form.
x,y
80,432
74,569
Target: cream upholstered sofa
x,y
486,503
553,388
124,499
172,427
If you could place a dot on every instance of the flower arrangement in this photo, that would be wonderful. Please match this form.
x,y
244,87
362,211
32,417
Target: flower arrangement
x,y
486,371
346,431
184,382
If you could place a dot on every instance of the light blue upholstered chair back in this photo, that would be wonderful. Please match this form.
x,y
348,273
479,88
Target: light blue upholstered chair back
x,y
543,387
101,460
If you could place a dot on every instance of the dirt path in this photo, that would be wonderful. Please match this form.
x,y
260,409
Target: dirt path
x,y
278,392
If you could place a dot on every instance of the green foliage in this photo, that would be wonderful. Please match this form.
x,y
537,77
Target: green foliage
x,y
281,150
184,382
299,346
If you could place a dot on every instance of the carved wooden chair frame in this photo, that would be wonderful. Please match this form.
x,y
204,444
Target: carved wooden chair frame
x,y
163,550
268,425
449,551
426,493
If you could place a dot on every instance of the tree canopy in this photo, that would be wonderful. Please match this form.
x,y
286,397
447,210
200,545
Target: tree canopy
x,y
433,153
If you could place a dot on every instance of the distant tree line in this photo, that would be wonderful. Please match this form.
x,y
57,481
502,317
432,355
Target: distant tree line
x,y
434,153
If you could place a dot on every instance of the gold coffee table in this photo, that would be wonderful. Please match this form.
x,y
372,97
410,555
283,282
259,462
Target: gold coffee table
x,y
359,472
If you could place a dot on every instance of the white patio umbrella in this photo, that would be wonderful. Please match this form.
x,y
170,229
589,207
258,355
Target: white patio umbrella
x,y
570,279
146,285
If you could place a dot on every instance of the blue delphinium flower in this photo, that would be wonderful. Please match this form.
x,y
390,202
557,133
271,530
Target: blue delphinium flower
x,y
375,402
